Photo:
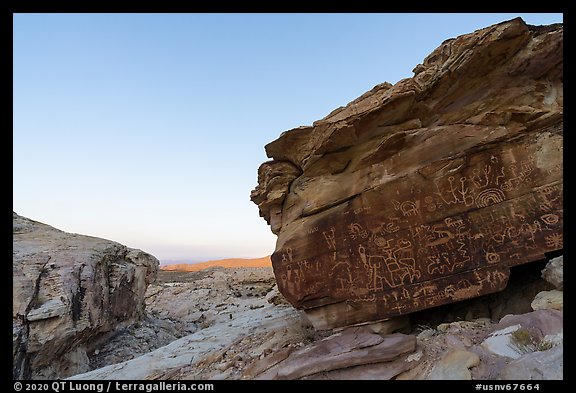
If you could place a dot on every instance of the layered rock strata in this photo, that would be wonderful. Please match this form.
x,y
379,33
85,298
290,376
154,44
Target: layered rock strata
x,y
70,292
424,192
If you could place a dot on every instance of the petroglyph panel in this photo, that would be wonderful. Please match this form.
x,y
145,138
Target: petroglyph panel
x,y
424,241
426,191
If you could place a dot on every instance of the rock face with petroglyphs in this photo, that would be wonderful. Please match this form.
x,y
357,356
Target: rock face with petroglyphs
x,y
70,294
424,192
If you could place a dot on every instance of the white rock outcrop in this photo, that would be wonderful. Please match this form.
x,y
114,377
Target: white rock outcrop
x,y
70,292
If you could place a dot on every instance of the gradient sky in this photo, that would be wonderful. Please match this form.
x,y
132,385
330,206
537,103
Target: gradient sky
x,y
148,129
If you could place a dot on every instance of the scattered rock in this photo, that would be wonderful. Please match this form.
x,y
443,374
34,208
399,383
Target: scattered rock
x,y
548,300
542,365
554,272
454,366
540,322
275,297
201,354
197,300
501,342
145,336
268,338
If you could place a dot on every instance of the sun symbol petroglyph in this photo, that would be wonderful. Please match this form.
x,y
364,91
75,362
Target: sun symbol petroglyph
x,y
555,240
489,197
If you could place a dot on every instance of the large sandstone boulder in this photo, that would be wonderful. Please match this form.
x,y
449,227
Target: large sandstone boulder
x,y
69,291
424,192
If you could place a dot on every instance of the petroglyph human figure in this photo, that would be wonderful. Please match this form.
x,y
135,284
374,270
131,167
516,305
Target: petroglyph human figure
x,y
405,257
383,270
330,238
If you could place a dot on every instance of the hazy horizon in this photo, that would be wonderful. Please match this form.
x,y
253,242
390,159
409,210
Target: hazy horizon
x,y
192,261
148,129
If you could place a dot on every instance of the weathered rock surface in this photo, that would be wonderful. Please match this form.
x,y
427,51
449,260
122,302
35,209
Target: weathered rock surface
x,y
350,348
209,296
554,272
275,297
239,334
482,350
70,293
548,300
454,366
542,365
220,322
428,191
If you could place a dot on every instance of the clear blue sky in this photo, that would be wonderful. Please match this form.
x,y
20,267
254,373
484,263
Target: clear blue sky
x,y
148,129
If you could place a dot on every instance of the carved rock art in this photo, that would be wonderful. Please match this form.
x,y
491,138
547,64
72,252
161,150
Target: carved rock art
x,y
424,192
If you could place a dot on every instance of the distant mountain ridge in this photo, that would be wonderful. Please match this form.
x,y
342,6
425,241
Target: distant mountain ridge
x,y
227,263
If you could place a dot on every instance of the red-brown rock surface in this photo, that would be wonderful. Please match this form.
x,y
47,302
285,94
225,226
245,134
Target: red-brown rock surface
x,y
424,192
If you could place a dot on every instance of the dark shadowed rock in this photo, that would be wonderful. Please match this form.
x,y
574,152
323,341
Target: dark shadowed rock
x,y
425,192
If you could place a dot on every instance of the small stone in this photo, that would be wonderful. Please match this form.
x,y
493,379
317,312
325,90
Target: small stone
x,y
540,365
554,272
553,300
455,366
414,357
500,342
426,334
453,342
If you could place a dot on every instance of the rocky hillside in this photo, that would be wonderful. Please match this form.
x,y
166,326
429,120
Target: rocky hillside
x,y
224,323
70,293
425,192
232,324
